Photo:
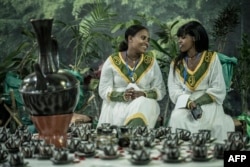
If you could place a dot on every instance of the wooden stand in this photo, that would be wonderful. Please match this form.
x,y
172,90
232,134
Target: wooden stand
x,y
12,110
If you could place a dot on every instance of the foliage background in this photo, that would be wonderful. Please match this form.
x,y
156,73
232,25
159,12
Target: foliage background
x,y
15,15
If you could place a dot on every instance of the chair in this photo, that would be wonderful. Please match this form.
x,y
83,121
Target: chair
x,y
227,68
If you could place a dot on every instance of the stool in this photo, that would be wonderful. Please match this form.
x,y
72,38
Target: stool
x,y
12,110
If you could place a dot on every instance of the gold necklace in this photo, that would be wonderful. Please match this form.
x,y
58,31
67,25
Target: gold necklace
x,y
194,56
133,60
193,61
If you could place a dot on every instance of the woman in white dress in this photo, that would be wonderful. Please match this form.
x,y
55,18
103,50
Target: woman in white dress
x,y
196,78
131,83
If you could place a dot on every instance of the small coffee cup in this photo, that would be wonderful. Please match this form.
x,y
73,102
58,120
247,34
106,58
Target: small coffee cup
x,y
200,151
206,133
46,150
170,143
27,150
141,155
136,143
86,147
3,154
198,139
219,149
61,154
4,137
234,136
13,143
171,153
110,150
233,145
105,125
184,134
72,144
16,159
36,143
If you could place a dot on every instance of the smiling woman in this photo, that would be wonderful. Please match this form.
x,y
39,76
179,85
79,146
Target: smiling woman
x,y
131,83
201,81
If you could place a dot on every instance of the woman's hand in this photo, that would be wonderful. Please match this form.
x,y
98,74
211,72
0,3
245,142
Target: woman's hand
x,y
192,105
137,94
128,94
131,94
81,118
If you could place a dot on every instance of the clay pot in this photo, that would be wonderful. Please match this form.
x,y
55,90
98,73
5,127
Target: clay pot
x,y
50,94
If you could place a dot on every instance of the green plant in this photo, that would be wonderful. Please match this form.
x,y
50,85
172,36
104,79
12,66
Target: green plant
x,y
88,36
225,23
242,77
20,61
166,44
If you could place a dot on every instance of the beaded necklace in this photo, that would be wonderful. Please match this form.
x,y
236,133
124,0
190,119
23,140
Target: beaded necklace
x,y
131,72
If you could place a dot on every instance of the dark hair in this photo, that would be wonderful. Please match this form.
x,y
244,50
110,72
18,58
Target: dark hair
x,y
131,31
196,30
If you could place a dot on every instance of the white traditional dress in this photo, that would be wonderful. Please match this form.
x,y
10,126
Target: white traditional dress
x,y
147,77
206,78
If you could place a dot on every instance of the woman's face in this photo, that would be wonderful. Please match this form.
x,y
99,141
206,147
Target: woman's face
x,y
140,42
186,43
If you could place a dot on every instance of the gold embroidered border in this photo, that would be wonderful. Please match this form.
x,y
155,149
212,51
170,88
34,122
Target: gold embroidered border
x,y
195,77
136,115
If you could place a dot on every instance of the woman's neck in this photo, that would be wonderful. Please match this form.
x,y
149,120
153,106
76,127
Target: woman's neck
x,y
132,57
192,54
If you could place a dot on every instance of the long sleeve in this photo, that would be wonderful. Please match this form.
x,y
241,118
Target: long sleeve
x,y
106,81
217,87
157,85
175,88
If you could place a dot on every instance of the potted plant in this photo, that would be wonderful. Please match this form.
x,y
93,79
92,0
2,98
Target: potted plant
x,y
242,80
226,21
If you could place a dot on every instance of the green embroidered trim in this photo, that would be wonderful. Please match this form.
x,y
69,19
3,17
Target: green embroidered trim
x,y
195,77
136,122
143,66
151,94
204,99
136,116
188,104
117,96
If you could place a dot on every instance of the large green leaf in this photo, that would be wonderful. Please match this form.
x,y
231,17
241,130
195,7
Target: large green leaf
x,y
158,47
